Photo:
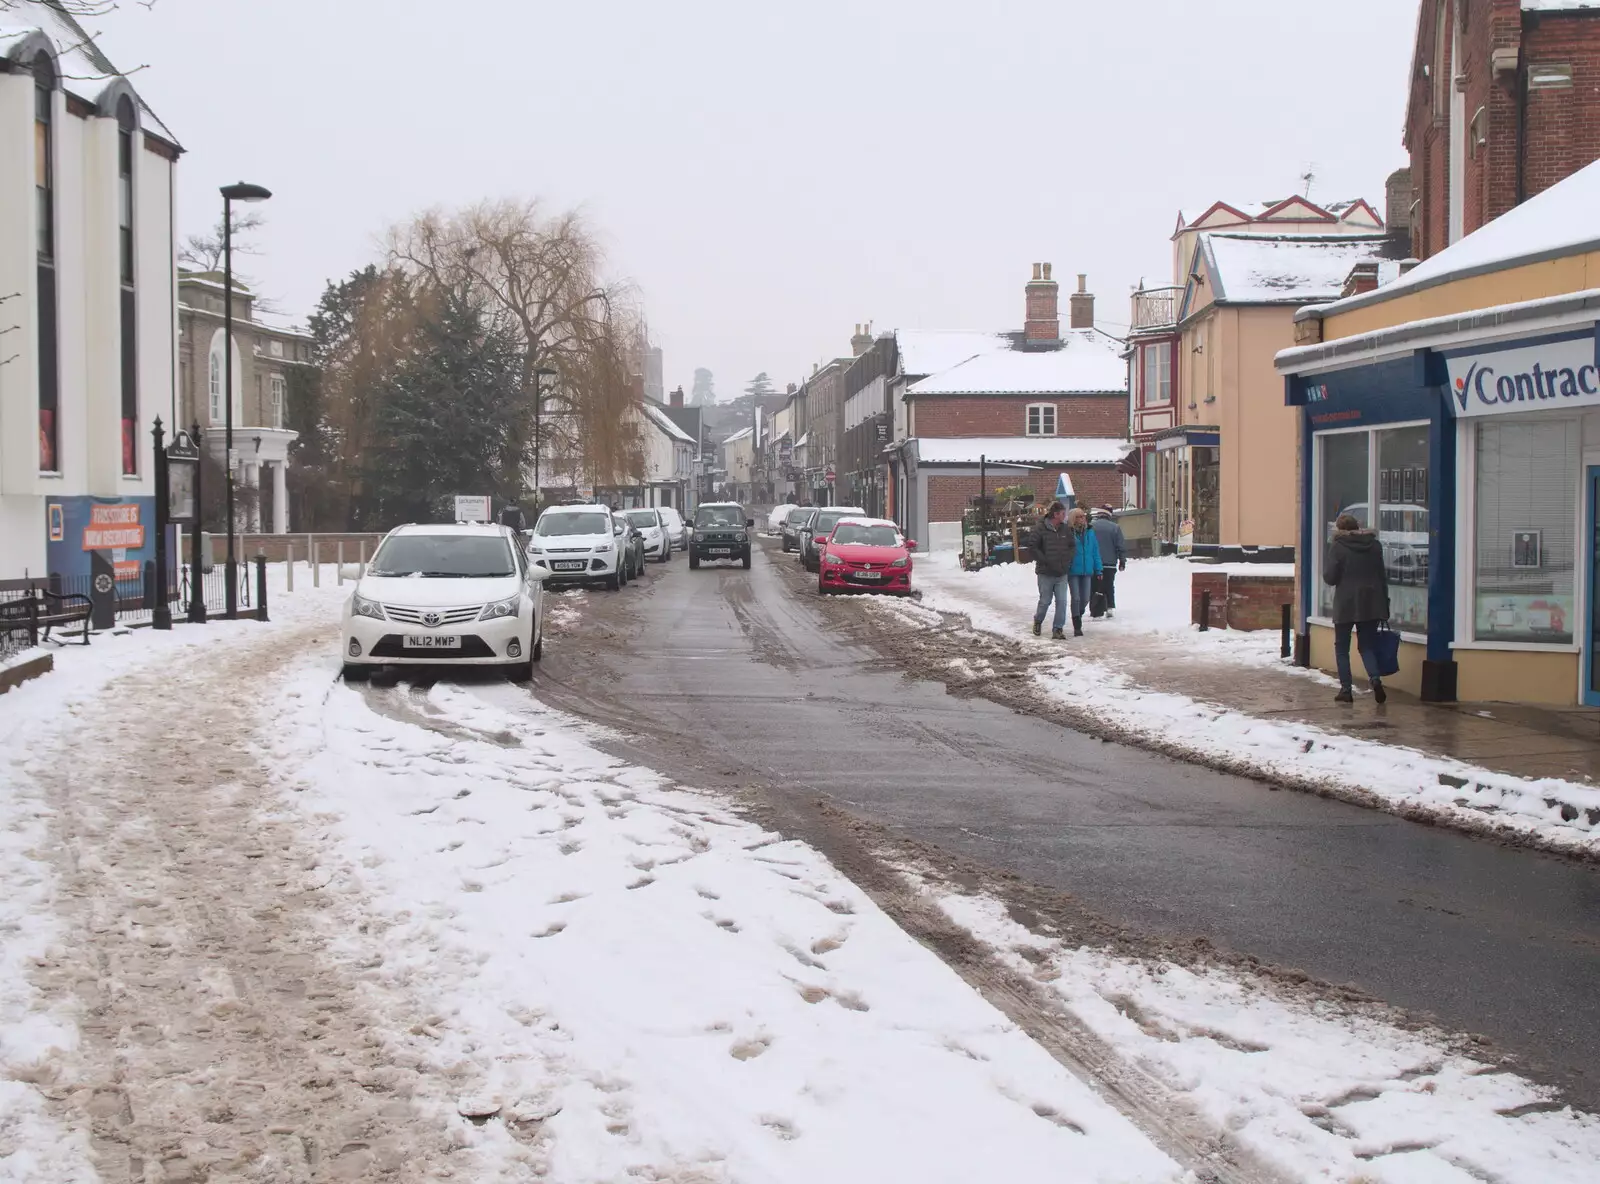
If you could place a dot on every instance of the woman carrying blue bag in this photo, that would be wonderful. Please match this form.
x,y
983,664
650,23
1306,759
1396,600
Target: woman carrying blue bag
x,y
1360,603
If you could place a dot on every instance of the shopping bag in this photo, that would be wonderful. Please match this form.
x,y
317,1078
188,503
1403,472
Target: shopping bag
x,y
1388,651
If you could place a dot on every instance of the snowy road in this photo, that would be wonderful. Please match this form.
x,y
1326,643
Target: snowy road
x,y
800,700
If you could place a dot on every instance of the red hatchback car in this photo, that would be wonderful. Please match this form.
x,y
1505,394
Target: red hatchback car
x,y
865,555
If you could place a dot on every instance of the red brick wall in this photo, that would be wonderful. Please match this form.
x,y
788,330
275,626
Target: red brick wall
x,y
1084,415
949,497
1240,601
1563,124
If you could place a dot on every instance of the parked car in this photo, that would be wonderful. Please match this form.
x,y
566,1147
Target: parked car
x,y
631,542
822,522
865,555
721,533
778,515
648,523
677,528
792,522
579,545
457,594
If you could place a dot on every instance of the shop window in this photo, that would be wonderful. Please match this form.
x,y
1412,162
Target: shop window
x,y
1402,523
1525,532
1343,487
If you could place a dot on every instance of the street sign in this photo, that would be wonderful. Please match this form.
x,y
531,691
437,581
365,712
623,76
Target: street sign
x,y
472,508
828,476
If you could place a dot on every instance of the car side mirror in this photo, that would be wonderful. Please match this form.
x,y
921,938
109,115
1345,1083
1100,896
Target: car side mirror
x,y
911,544
749,522
617,530
538,574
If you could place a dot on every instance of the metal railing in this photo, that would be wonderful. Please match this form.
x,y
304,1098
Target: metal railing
x,y
1156,308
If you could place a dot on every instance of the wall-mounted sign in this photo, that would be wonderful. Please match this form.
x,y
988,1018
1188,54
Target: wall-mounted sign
x,y
113,527
58,523
1557,374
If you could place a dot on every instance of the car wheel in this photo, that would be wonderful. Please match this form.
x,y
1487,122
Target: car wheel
x,y
520,671
747,561
822,589
538,648
694,562
615,580
356,673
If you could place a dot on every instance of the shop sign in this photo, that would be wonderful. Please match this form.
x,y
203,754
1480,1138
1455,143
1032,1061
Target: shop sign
x,y
113,528
1557,374
1186,537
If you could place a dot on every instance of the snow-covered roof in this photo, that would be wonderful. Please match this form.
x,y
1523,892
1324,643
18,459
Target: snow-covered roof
x,y
1293,208
664,421
1087,362
82,68
801,442
1021,450
738,436
925,351
1274,269
1563,220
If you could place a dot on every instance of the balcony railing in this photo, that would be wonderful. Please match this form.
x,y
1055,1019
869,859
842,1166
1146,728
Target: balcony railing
x,y
1156,308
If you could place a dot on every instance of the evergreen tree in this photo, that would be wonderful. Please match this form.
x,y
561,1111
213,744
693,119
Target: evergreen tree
x,y
759,387
448,421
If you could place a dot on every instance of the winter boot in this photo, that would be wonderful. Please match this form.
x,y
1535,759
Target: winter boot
x,y
1379,695
1077,626
1057,635
1345,695
1037,625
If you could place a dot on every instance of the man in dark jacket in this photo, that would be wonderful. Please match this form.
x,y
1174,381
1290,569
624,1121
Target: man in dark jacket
x,y
1053,547
1113,558
1360,600
513,517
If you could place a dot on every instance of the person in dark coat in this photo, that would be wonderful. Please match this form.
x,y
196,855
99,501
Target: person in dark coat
x,y
512,516
1355,568
1054,546
1113,558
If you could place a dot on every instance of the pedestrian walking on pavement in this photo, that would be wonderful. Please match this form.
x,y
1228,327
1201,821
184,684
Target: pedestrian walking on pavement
x,y
1086,565
1113,558
1360,601
1054,547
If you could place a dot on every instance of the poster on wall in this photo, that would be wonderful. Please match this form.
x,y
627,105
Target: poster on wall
x,y
1186,537
1539,617
118,529
1526,548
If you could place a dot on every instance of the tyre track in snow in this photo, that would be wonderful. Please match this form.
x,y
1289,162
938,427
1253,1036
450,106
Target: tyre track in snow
x,y
220,1039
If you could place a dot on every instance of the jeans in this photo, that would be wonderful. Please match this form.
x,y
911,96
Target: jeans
x,y
1080,595
1366,642
1052,588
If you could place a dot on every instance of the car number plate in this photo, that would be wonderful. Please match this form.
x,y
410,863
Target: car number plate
x,y
568,565
431,641
867,575
721,550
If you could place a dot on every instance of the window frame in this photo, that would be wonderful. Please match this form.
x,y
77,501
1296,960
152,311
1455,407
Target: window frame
x,y
1156,350
1319,549
277,393
1028,418
1466,443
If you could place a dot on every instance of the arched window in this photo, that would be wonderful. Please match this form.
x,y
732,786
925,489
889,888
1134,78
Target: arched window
x,y
216,383
44,89
126,130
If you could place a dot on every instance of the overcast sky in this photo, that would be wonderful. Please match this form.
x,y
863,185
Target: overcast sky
x,y
770,174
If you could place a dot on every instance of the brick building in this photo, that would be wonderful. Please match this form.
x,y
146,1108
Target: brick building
x,y
868,415
1504,102
1020,408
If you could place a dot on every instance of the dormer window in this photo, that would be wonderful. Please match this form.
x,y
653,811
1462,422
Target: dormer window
x,y
1041,419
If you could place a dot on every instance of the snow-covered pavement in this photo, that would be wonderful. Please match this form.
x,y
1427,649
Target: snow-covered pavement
x,y
1119,684
264,926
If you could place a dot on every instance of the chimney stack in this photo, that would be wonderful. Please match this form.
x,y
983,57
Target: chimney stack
x,y
862,341
677,397
1082,305
1043,300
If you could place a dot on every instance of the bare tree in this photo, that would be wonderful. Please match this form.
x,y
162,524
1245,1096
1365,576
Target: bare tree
x,y
204,252
538,278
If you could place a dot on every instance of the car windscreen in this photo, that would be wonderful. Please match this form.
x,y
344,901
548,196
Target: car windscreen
x,y
643,518
825,523
462,556
598,522
719,516
853,534
799,515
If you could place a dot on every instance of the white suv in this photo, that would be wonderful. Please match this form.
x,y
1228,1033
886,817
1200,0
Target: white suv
x,y
648,523
446,594
579,545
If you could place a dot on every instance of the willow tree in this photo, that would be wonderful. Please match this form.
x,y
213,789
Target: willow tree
x,y
537,279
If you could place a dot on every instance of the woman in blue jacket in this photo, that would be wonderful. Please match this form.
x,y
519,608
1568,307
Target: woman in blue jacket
x,y
1085,566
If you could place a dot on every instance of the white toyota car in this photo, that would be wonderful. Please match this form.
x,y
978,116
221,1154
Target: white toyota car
x,y
446,595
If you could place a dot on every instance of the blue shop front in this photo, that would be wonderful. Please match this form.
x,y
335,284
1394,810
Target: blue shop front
x,y
1471,445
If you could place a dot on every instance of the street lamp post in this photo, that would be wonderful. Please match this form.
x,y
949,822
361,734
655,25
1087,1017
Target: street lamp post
x,y
539,376
245,192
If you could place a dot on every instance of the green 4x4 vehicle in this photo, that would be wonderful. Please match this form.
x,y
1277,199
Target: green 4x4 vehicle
x,y
721,534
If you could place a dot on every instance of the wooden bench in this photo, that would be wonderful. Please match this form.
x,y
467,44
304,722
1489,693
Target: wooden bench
x,y
30,607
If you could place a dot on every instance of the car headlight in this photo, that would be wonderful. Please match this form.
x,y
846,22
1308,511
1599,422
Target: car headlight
x,y
501,608
535,549
901,562
360,606
604,549
830,557
741,537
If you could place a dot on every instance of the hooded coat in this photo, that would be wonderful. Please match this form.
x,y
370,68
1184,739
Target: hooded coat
x,y
1087,560
1356,571
1053,547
